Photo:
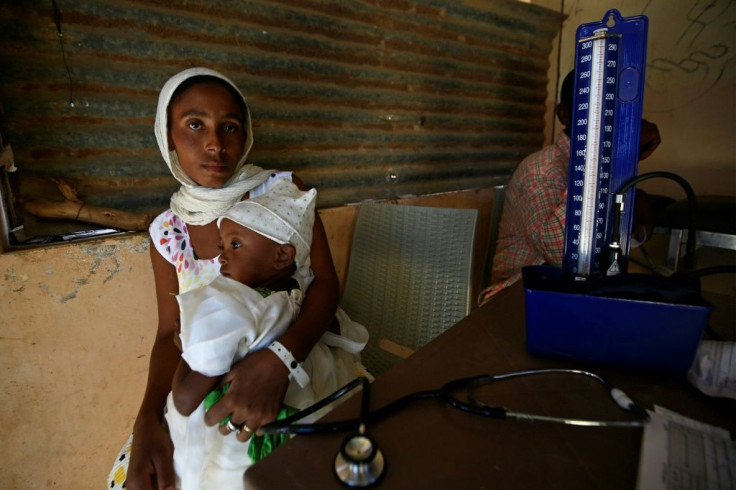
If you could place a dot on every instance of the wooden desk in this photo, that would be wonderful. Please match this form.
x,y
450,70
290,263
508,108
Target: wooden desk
x,y
429,445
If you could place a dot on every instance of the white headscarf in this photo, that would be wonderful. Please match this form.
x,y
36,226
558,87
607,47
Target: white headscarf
x,y
193,203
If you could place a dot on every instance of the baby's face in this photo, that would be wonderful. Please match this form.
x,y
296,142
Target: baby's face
x,y
247,257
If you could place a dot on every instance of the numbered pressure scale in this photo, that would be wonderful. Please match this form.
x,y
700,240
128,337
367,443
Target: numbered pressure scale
x,y
592,310
606,125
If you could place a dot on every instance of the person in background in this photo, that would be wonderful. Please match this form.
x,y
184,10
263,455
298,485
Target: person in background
x,y
532,228
253,301
203,129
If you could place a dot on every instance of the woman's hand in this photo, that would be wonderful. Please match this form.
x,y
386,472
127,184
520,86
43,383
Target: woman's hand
x,y
258,385
151,458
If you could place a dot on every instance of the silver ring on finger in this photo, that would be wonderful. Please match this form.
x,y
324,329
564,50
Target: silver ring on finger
x,y
232,427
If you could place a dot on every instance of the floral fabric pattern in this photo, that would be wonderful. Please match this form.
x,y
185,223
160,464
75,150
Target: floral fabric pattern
x,y
171,238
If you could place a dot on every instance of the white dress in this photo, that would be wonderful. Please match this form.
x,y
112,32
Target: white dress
x,y
220,324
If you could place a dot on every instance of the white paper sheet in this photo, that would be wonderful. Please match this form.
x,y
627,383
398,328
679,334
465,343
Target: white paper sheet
x,y
681,453
714,369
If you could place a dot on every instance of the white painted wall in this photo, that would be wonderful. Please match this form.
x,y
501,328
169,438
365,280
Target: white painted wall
x,y
690,88
76,327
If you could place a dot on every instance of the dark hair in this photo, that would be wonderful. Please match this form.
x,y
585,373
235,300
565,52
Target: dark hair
x,y
566,92
190,82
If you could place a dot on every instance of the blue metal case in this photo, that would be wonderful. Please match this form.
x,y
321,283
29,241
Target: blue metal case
x,y
612,325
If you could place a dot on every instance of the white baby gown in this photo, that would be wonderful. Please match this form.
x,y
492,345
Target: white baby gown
x,y
220,324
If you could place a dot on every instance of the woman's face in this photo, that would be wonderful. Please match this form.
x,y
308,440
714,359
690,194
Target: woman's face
x,y
206,130
247,257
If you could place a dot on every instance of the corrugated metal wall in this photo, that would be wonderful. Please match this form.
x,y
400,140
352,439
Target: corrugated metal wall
x,y
361,98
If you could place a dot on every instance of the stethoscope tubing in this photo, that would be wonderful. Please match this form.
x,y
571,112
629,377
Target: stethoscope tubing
x,y
287,425
478,407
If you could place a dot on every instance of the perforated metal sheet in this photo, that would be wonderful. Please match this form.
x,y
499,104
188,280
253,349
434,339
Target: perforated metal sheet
x,y
409,275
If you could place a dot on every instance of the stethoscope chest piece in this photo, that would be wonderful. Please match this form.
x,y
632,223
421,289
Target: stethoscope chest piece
x,y
359,463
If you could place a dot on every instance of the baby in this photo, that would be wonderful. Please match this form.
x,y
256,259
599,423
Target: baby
x,y
253,301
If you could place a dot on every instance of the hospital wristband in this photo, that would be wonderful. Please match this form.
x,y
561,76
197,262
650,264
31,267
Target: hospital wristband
x,y
296,370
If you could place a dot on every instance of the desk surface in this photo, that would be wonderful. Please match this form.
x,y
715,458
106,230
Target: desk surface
x,y
431,445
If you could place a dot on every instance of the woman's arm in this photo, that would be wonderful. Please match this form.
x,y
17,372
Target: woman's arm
x,y
320,304
151,458
259,381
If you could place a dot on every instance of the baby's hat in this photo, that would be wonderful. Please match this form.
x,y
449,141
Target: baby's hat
x,y
283,213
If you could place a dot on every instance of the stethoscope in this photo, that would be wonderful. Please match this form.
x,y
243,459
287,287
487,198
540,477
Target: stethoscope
x,y
360,463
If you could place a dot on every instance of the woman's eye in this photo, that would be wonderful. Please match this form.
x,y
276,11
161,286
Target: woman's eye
x,y
231,128
195,125
235,244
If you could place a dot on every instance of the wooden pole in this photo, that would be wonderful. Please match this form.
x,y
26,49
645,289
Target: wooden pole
x,y
79,211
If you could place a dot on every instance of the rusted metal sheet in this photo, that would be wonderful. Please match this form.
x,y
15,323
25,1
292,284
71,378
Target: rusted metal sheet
x,y
364,99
